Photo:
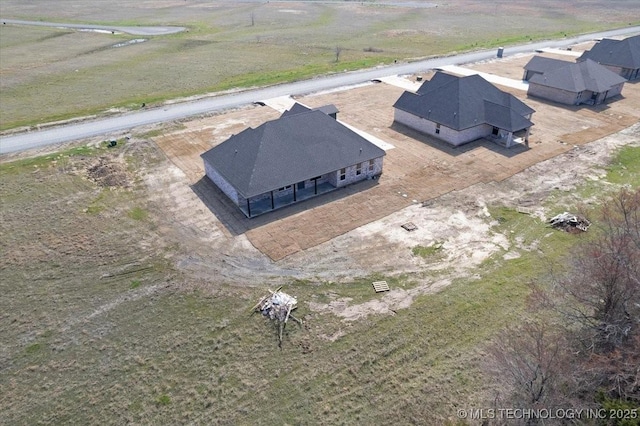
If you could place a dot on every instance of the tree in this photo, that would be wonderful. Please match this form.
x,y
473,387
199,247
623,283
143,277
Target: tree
x,y
531,360
594,353
338,52
601,292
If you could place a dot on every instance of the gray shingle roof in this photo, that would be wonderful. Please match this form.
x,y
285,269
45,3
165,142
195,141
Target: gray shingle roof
x,y
463,102
298,108
295,109
622,53
576,77
290,149
541,64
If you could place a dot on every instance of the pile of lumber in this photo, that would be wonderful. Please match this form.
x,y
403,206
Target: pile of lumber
x,y
570,222
278,306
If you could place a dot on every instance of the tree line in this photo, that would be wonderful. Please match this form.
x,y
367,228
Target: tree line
x,y
580,347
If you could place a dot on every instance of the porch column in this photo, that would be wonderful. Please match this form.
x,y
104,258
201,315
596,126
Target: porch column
x,y
294,192
272,205
526,137
315,186
249,207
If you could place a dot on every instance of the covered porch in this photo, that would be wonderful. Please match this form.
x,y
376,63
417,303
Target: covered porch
x,y
283,197
508,139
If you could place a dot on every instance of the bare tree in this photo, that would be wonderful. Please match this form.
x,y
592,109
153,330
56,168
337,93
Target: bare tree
x,y
616,374
595,354
338,52
253,19
601,292
531,360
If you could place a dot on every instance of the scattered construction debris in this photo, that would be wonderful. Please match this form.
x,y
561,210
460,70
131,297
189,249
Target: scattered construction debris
x,y
524,210
278,306
409,226
380,286
570,222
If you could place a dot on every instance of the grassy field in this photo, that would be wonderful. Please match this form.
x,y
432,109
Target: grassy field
x,y
51,74
98,326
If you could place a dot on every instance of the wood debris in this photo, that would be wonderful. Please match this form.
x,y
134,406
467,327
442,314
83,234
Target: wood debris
x,y
570,222
409,226
524,210
278,306
380,286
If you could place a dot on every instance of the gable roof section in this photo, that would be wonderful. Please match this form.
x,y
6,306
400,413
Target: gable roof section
x,y
504,117
290,149
542,64
463,102
297,108
576,77
622,53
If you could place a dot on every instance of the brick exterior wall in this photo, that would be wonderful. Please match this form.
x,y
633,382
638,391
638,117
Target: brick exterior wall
x,y
351,173
556,95
615,91
221,183
447,134
628,73
570,98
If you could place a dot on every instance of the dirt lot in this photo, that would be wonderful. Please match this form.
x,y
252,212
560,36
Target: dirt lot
x,y
417,170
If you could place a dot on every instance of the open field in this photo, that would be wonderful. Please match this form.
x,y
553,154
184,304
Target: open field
x,y
52,74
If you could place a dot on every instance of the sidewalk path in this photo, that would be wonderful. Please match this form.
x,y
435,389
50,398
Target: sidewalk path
x,y
491,78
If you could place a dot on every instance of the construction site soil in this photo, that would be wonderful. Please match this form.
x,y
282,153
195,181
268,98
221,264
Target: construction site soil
x,y
357,229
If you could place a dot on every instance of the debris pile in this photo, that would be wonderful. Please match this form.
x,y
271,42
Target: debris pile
x,y
278,306
109,173
570,222
380,286
409,226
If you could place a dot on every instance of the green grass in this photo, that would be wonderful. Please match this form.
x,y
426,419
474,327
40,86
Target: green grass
x,y
163,400
46,160
269,78
625,170
138,213
429,251
34,348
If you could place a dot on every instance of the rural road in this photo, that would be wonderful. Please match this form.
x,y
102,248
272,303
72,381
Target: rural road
x,y
123,123
143,31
